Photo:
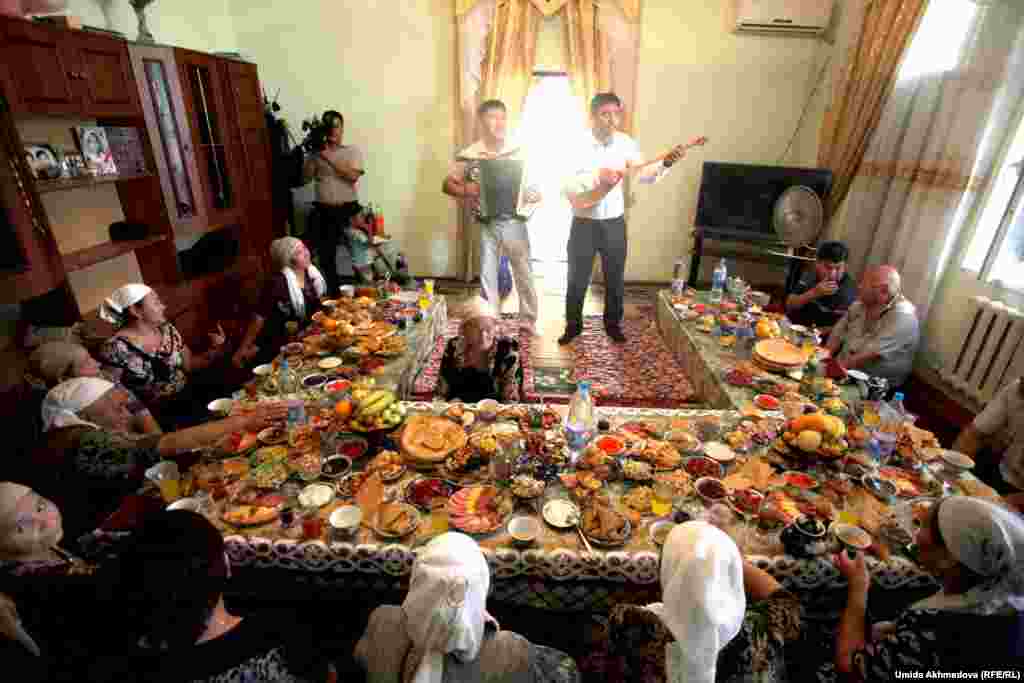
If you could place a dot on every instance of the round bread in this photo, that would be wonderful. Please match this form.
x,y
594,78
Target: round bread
x,y
429,438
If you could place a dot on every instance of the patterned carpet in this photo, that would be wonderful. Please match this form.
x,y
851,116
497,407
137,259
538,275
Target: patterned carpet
x,y
641,372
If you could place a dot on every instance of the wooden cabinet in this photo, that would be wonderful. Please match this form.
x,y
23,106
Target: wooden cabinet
x,y
54,71
246,95
214,137
163,106
104,80
39,69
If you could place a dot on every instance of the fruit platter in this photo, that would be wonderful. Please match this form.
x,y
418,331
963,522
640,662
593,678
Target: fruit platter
x,y
378,410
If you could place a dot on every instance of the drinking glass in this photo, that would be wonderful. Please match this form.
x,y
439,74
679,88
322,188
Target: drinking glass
x,y
438,516
661,501
312,524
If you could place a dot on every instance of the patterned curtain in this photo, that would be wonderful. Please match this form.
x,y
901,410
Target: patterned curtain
x,y
929,159
886,27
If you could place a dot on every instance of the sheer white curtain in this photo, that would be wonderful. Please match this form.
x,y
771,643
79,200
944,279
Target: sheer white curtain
x,y
926,162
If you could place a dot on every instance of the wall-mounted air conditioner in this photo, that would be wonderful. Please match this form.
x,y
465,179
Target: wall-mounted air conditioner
x,y
791,17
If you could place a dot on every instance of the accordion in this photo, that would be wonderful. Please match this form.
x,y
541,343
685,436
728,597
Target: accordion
x,y
502,187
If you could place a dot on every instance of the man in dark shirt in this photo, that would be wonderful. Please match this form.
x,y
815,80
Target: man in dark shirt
x,y
822,296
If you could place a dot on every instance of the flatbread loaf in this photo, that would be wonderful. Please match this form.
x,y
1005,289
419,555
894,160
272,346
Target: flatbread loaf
x,y
429,438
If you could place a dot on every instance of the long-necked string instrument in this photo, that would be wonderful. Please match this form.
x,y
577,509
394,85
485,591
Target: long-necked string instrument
x,y
585,200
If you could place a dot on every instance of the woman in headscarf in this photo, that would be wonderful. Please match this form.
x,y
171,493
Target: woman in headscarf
x,y
478,364
169,585
721,619
149,357
442,633
292,294
975,549
90,460
55,362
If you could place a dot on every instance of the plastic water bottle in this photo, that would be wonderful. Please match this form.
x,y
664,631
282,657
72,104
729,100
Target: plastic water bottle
x,y
678,279
718,279
580,422
285,379
897,405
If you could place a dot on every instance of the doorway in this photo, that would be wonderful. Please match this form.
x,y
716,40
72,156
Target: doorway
x,y
551,121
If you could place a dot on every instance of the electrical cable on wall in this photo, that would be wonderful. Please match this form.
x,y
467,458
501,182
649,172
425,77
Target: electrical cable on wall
x,y
807,106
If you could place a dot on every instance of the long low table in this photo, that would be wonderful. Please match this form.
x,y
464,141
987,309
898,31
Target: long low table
x,y
705,361
557,567
402,371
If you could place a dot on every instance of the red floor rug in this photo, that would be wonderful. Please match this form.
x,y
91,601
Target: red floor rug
x,y
641,372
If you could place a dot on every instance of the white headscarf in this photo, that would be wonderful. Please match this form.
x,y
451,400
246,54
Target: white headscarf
x,y
704,603
445,610
63,403
988,540
113,307
281,251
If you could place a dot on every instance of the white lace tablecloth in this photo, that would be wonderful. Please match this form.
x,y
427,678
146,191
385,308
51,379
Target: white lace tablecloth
x,y
562,565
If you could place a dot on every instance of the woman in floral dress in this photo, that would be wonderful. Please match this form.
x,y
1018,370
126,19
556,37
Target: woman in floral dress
x,y
975,549
722,619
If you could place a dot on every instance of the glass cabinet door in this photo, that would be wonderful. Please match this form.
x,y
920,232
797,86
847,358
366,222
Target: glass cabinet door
x,y
211,151
164,110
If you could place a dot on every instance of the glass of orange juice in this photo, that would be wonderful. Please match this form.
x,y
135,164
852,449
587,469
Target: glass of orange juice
x,y
439,516
661,501
170,489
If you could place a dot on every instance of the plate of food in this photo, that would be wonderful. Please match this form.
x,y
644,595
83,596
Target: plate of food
x,y
746,501
684,441
395,520
661,454
349,485
422,492
702,466
249,515
908,484
639,499
293,349
711,490
431,439
610,444
465,466
719,452
604,526
526,487
329,363
634,470
561,513
800,480
272,436
316,495
739,378
389,464
480,509
767,402
680,481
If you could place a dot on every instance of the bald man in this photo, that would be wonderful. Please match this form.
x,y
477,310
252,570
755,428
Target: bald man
x,y
879,334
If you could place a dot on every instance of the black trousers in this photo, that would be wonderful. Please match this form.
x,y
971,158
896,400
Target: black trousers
x,y
588,237
328,230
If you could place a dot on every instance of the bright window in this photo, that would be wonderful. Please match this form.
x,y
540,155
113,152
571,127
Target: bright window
x,y
936,46
996,250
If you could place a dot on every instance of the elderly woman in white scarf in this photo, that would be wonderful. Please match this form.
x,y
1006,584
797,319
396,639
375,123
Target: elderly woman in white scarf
x,y
975,549
291,295
721,618
479,363
87,446
442,633
147,354
56,362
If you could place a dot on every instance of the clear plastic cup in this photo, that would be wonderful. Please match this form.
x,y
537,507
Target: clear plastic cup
x,y
167,478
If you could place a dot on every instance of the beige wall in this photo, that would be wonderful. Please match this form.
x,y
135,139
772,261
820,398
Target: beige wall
x,y
204,25
744,92
389,68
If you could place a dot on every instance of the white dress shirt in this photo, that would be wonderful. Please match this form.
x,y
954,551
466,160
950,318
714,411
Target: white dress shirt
x,y
593,155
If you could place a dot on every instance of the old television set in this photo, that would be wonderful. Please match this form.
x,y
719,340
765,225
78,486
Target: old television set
x,y
736,201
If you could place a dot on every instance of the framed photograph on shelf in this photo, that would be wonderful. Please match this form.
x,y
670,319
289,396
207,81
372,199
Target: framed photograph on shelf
x,y
42,160
126,148
92,140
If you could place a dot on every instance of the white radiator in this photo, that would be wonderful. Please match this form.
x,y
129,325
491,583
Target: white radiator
x,y
991,353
